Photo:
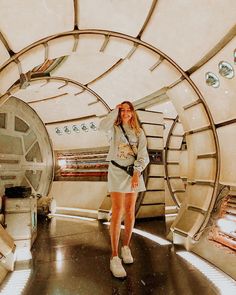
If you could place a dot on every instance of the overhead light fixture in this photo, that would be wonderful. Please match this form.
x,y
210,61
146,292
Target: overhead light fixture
x,y
226,70
66,129
84,127
93,126
75,128
212,80
58,131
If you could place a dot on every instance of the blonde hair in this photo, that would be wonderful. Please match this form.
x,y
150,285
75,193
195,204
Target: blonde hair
x,y
134,123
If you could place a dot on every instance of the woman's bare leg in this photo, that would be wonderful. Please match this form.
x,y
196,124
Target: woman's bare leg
x,y
130,200
117,211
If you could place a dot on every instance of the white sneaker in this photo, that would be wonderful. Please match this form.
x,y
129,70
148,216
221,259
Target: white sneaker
x,y
126,255
117,268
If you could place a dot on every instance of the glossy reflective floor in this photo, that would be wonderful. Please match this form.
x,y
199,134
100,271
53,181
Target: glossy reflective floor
x,y
71,256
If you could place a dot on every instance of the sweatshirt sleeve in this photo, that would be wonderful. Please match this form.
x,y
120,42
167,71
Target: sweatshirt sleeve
x,y
142,156
107,123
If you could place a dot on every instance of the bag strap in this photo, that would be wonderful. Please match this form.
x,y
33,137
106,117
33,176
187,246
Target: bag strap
x,y
118,165
126,136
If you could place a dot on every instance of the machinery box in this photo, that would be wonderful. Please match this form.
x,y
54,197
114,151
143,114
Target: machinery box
x,y
18,192
20,205
21,218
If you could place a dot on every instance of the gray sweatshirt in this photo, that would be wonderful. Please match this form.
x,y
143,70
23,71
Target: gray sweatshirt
x,y
120,150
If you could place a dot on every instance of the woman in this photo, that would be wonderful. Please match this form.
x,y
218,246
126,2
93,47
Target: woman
x,y
123,188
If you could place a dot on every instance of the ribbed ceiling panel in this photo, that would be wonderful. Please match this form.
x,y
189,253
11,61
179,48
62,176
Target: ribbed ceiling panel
x,y
25,22
85,68
132,79
188,30
127,17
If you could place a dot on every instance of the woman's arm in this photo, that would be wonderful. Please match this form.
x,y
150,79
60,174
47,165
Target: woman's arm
x,y
107,123
142,156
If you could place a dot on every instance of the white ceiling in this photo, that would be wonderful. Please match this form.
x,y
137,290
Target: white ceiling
x,y
113,50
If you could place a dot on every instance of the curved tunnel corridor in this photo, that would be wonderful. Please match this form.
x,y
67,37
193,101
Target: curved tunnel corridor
x,y
63,66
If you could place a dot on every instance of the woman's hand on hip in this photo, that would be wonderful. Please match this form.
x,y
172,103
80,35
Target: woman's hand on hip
x,y
135,180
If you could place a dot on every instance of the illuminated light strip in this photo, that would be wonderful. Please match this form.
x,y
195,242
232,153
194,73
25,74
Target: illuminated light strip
x,y
171,207
147,235
171,214
77,209
15,282
71,216
224,283
152,237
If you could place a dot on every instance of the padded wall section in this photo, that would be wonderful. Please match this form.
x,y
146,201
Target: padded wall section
x,y
227,138
174,185
152,201
199,196
188,222
183,164
202,162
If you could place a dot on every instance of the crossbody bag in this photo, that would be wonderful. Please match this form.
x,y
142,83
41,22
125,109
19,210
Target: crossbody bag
x,y
130,168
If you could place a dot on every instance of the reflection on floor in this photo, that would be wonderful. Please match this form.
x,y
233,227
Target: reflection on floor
x,y
71,256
